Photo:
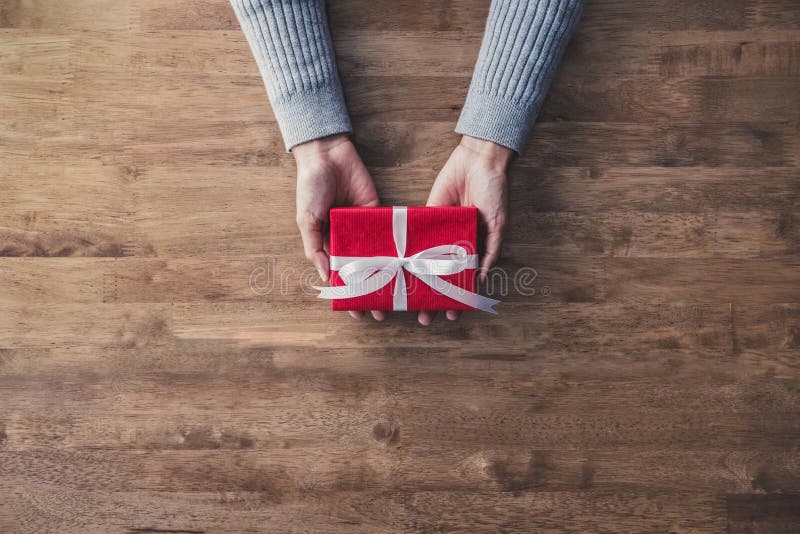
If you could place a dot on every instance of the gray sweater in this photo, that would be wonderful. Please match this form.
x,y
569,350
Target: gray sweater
x,y
522,44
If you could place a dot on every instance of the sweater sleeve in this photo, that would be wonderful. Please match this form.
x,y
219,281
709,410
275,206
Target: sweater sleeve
x,y
522,45
294,52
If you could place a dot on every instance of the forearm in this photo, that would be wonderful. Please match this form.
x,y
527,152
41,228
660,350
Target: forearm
x,y
522,45
294,52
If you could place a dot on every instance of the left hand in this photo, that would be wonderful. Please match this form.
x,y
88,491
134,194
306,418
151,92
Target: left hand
x,y
329,173
475,175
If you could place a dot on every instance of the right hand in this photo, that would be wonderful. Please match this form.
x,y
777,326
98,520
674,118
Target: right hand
x,y
329,173
475,175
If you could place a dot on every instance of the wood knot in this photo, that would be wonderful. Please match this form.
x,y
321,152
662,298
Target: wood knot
x,y
387,433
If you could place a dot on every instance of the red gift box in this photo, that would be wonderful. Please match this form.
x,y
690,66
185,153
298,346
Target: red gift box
x,y
433,249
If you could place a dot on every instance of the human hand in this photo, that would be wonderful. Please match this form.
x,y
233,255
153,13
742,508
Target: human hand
x,y
329,173
475,175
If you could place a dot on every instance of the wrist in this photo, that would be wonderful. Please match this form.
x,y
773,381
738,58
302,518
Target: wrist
x,y
487,150
318,147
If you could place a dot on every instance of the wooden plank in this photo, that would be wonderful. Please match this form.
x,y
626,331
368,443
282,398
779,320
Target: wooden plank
x,y
762,513
601,326
609,211
708,15
461,15
747,53
66,14
664,144
185,15
470,15
370,53
427,144
95,223
655,190
288,279
191,453
645,235
35,54
136,379
353,511
170,82
631,322
652,99
751,399
390,144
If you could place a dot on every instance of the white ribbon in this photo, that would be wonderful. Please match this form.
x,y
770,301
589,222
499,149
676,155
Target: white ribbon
x,y
366,275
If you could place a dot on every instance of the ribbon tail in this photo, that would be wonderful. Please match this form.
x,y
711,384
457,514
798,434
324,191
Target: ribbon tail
x,y
340,292
366,287
473,300
400,299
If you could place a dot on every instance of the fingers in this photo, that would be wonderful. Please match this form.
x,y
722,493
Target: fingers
x,y
378,315
494,240
313,243
368,197
426,317
361,188
452,315
495,226
444,191
442,194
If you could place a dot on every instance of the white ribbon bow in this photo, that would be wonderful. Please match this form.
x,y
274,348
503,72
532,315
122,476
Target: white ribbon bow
x,y
366,275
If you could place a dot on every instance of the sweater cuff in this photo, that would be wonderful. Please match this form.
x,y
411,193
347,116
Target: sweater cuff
x,y
304,116
495,119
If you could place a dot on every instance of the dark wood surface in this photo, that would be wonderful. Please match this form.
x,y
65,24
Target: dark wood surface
x,y
651,383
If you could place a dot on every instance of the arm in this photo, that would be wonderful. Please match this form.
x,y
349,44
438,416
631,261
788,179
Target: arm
x,y
294,53
522,45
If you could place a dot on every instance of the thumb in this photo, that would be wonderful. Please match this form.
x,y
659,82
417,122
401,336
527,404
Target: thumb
x,y
313,243
368,197
494,242
442,192
361,188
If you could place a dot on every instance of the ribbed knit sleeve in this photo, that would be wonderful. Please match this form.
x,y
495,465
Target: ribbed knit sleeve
x,y
294,52
522,45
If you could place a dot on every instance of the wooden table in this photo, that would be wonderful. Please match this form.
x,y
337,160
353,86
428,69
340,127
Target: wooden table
x,y
163,367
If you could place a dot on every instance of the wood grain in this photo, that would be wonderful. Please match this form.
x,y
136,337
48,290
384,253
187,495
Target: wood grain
x,y
164,368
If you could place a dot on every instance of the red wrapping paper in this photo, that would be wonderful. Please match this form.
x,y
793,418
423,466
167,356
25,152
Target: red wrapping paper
x,y
365,232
